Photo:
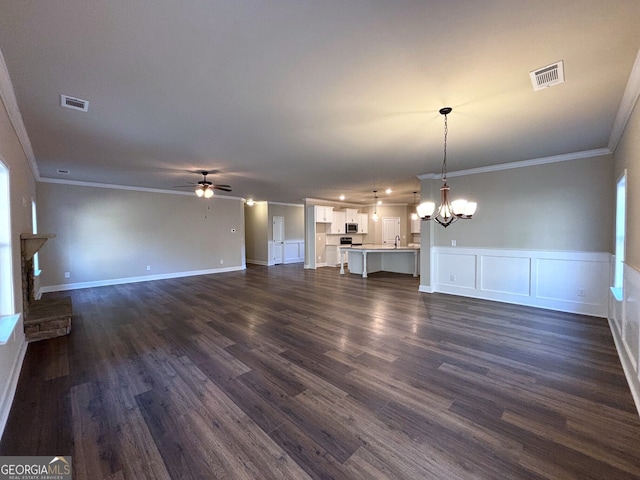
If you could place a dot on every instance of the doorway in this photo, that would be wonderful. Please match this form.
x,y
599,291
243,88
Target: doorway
x,y
390,229
278,240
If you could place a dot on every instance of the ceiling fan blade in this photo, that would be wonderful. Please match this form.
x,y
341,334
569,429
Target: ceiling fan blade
x,y
182,186
220,187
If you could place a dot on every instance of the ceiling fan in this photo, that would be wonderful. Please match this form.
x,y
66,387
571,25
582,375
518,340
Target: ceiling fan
x,y
204,188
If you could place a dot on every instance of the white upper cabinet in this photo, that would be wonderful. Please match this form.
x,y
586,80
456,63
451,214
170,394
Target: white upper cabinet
x,y
363,223
339,219
324,214
352,215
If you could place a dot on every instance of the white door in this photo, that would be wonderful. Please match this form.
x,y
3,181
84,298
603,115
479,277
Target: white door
x,y
278,240
390,228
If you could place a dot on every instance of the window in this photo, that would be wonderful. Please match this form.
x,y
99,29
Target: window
x,y
6,269
34,229
621,209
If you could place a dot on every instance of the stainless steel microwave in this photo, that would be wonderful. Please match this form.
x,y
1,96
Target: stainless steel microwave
x,y
351,228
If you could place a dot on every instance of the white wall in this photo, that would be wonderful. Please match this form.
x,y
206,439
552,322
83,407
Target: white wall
x,y
22,191
625,315
109,235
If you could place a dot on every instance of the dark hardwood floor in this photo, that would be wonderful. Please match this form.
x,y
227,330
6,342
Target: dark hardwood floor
x,y
282,372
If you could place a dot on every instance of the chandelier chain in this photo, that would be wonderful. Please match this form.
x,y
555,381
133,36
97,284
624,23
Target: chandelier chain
x,y
444,162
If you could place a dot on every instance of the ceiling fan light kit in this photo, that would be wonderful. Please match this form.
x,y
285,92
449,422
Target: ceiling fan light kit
x,y
205,188
448,212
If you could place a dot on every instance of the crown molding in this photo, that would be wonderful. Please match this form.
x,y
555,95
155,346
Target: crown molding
x,y
8,97
286,204
330,203
77,183
629,100
524,163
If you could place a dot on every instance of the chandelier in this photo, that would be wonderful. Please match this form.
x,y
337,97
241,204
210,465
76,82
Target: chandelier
x,y
448,212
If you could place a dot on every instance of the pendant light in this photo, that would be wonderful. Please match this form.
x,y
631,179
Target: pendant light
x,y
414,215
374,217
448,212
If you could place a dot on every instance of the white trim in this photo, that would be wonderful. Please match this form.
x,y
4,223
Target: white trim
x,y
148,278
286,204
522,164
629,100
329,203
7,325
12,384
426,289
8,96
78,183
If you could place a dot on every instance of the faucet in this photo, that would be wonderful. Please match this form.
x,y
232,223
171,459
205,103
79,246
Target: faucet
x,y
396,241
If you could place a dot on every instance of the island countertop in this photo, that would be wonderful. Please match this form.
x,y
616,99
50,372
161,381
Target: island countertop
x,y
364,259
377,248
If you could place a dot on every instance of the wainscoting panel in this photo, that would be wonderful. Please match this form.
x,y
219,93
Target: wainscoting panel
x,y
624,321
576,282
294,251
631,320
456,270
511,275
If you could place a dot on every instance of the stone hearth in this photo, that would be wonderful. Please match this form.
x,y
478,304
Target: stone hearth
x,y
47,318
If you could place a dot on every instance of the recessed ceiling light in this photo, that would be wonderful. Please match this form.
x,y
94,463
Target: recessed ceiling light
x,y
388,191
342,197
379,202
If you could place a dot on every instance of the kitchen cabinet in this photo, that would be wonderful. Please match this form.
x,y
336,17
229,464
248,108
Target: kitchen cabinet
x,y
352,215
323,214
339,219
363,223
415,225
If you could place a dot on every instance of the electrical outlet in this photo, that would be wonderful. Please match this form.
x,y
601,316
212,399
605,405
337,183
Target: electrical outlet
x,y
67,274
453,243
452,278
148,267
581,293
221,262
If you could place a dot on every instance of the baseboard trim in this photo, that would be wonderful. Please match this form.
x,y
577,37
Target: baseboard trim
x,y
257,262
147,278
5,408
426,289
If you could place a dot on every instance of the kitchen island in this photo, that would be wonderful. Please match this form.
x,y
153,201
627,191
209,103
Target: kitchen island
x,y
380,258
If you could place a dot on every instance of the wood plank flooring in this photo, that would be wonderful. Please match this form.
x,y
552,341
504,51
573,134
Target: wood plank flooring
x,y
286,373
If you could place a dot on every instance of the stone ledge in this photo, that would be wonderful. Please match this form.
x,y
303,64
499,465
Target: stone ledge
x,y
48,319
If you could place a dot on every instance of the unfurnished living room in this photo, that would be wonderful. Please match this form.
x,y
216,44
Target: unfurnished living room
x,y
325,240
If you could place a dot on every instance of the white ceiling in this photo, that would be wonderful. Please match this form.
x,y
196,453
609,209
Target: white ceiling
x,y
295,99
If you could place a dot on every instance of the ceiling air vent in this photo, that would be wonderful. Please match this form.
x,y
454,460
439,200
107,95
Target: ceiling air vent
x,y
74,103
548,76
